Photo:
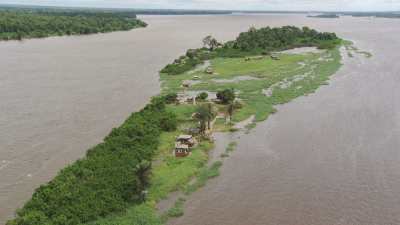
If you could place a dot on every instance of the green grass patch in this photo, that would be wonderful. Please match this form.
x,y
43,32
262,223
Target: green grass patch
x,y
175,173
204,175
177,210
221,125
231,146
143,214
224,155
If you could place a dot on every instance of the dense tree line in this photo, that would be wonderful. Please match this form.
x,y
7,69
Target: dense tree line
x,y
112,175
20,24
273,39
253,42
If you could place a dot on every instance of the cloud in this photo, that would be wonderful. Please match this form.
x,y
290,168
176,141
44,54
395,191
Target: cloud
x,y
326,5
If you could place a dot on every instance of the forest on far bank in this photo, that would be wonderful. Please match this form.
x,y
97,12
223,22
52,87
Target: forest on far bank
x,y
18,24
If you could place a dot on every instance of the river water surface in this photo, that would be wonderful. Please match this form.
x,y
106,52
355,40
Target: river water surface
x,y
329,158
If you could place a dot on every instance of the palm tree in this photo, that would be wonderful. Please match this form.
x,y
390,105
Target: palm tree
x,y
205,114
211,114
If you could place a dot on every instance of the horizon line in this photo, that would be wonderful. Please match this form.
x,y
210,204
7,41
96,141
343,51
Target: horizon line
x,y
17,5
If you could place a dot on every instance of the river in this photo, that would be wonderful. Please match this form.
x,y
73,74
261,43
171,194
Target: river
x,y
329,158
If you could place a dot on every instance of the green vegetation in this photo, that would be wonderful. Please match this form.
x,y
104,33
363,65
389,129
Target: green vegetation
x,y
352,50
169,175
290,77
143,214
253,42
390,15
171,98
327,16
202,96
174,173
226,96
111,176
204,175
177,210
231,147
20,24
204,115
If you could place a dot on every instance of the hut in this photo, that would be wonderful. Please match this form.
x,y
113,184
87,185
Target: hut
x,y
181,150
209,70
186,84
181,98
186,139
275,57
190,100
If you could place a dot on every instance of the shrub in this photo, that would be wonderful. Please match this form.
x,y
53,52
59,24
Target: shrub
x,y
202,96
226,96
168,121
181,66
171,98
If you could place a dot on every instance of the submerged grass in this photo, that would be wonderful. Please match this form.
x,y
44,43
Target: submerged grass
x,y
177,210
204,175
231,147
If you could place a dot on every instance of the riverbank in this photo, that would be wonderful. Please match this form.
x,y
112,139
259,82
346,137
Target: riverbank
x,y
19,24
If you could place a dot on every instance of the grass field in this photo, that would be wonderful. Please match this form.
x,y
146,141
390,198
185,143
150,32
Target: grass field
x,y
290,77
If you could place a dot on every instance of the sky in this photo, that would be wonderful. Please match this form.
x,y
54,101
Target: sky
x,y
286,5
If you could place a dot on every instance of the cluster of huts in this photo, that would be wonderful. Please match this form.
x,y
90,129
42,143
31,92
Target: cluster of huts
x,y
183,145
182,99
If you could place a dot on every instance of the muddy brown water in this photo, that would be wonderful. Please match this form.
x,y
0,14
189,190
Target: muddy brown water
x,y
329,158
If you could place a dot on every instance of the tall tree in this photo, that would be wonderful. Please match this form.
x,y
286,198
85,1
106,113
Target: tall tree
x,y
205,114
210,42
226,96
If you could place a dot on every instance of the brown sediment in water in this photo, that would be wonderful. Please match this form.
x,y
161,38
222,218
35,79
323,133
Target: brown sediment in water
x,y
329,158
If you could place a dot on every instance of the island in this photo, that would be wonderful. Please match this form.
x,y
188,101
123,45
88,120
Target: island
x,y
20,23
327,16
164,148
388,15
